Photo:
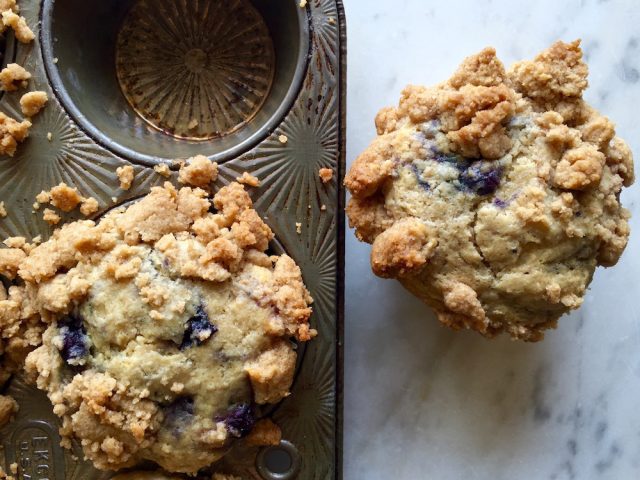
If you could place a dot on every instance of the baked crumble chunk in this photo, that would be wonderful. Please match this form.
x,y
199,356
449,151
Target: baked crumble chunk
x,y
161,327
493,196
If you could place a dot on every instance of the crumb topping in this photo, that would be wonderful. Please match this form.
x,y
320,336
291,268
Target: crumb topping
x,y
32,102
326,174
12,132
248,179
198,171
172,256
13,77
50,216
125,175
162,169
494,195
19,25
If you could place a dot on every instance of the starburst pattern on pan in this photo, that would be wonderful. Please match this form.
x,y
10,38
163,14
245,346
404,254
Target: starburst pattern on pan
x,y
195,69
70,157
325,35
308,419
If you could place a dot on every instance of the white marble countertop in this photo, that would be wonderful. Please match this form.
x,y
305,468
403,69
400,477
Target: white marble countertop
x,y
422,402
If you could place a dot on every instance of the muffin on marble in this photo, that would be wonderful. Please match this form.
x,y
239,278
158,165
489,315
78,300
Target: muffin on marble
x,y
166,324
493,196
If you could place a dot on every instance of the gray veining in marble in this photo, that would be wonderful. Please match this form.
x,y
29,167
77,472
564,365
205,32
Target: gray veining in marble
x,y
422,402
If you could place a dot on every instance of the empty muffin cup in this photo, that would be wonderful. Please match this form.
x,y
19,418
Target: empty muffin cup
x,y
155,80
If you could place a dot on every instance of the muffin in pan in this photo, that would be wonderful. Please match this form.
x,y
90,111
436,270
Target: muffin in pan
x,y
166,325
493,196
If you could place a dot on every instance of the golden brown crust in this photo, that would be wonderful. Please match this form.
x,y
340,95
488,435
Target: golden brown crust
x,y
555,75
271,374
403,248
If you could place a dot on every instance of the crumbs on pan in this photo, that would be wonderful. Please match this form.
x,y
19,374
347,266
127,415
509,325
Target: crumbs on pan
x,y
298,228
13,77
65,198
3,210
198,171
248,179
89,206
283,139
32,102
125,175
326,174
18,24
163,169
12,132
51,217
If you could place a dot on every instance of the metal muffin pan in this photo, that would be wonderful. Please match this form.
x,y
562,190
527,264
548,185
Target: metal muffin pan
x,y
291,83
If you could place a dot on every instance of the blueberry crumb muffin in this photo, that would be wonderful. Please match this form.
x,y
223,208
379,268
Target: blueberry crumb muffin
x,y
493,196
163,327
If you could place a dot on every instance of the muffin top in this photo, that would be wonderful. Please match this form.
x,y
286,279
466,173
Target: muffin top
x,y
494,195
166,325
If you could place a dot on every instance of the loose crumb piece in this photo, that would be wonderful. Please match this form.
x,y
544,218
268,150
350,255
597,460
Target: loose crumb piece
x,y
283,139
264,433
114,199
199,172
125,175
248,179
64,197
43,197
163,169
12,132
14,468
31,103
19,24
323,207
331,20
89,206
3,211
326,174
55,60
303,3
298,228
13,77
49,136
193,123
51,217
35,206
